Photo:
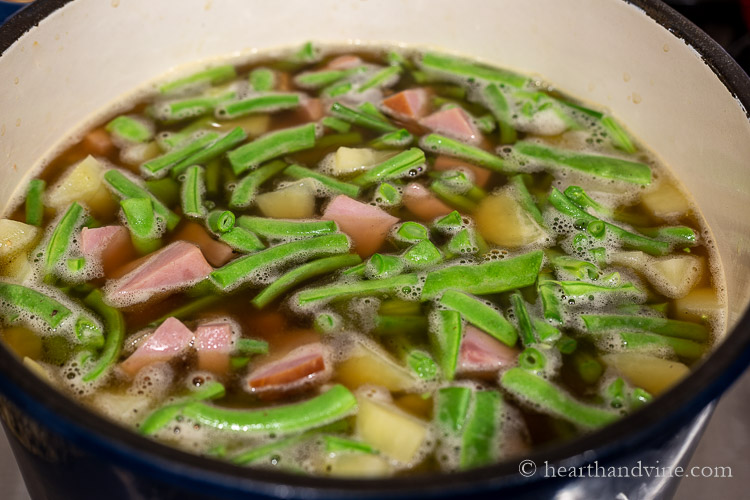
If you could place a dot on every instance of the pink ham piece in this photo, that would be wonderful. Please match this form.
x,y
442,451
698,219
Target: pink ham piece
x,y
410,104
481,175
169,341
422,203
216,252
301,367
214,342
366,225
172,268
98,142
453,122
109,245
344,62
482,355
310,109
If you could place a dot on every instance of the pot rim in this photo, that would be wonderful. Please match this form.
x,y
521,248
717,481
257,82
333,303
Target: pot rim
x,y
664,415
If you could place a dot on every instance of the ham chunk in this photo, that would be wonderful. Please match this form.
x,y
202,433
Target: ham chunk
x,y
411,104
481,175
217,253
422,203
98,142
172,268
110,245
482,355
453,122
347,61
214,342
169,341
310,109
301,367
366,225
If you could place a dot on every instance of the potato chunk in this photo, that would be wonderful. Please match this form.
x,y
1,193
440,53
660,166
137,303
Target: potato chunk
x,y
665,201
16,238
700,303
366,365
390,430
349,160
358,465
653,374
502,220
296,201
84,183
673,275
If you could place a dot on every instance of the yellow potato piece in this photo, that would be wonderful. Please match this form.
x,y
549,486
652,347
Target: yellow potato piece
x,y
502,221
358,465
349,160
673,276
390,430
367,366
135,154
296,201
665,201
23,342
253,125
16,238
653,374
19,268
84,183
701,302
122,407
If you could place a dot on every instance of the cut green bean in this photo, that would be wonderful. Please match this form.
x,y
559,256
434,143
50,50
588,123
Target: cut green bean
x,y
245,268
464,242
282,229
299,275
337,186
246,188
35,202
193,191
481,433
387,195
554,400
34,303
159,166
61,240
361,118
336,444
381,266
450,223
446,330
210,152
545,332
680,235
189,310
269,146
652,342
392,140
368,107
422,255
337,89
411,232
127,128
166,190
327,322
142,224
438,144
160,418
181,109
220,221
242,240
578,268
485,278
598,323
481,315
211,76
269,103
422,364
407,163
468,70
403,284
451,409
581,289
335,124
384,77
550,297
527,202
262,79
114,327
449,196
251,346
525,326
498,105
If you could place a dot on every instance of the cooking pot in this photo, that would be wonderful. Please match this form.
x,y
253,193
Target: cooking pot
x,y
63,63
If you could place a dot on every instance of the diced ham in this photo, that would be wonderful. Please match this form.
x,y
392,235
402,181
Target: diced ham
x,y
283,81
214,343
216,252
453,122
301,367
98,142
347,61
169,341
411,104
310,109
109,245
176,266
422,203
482,355
481,175
365,224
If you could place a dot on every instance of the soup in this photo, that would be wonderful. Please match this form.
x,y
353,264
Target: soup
x,y
359,264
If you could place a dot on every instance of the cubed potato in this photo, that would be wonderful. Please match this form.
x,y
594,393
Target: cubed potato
x,y
349,160
16,238
135,154
390,430
296,201
653,374
665,201
253,125
358,465
700,303
122,407
19,268
366,365
502,220
84,183
673,276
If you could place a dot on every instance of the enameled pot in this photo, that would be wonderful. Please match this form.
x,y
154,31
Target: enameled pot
x,y
64,62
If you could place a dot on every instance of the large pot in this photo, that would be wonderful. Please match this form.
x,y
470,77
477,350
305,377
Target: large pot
x,y
64,62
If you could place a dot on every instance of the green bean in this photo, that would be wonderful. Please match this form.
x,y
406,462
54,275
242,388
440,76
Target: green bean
x,y
243,269
160,418
335,185
336,444
566,345
421,364
449,196
469,70
525,198
411,232
220,221
399,307
578,268
381,78
318,79
446,329
581,289
458,182
35,202
193,190
335,124
598,323
630,240
545,332
552,399
268,103
281,229
387,195
160,165
392,140
361,118
481,433
327,323
252,346
596,165
306,54
370,108
166,190
337,89
168,141
438,144
75,264
262,79
176,110
269,146
358,270
381,266
142,224
617,134
400,325
114,326
681,235
498,105
485,278
298,275
481,315
450,223
485,123
189,309
212,76
63,235
587,367
550,298
533,360
653,342
246,188
274,446
422,255
404,283
242,240
127,128
451,409
334,404
403,164
210,152
124,188
578,196
525,326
